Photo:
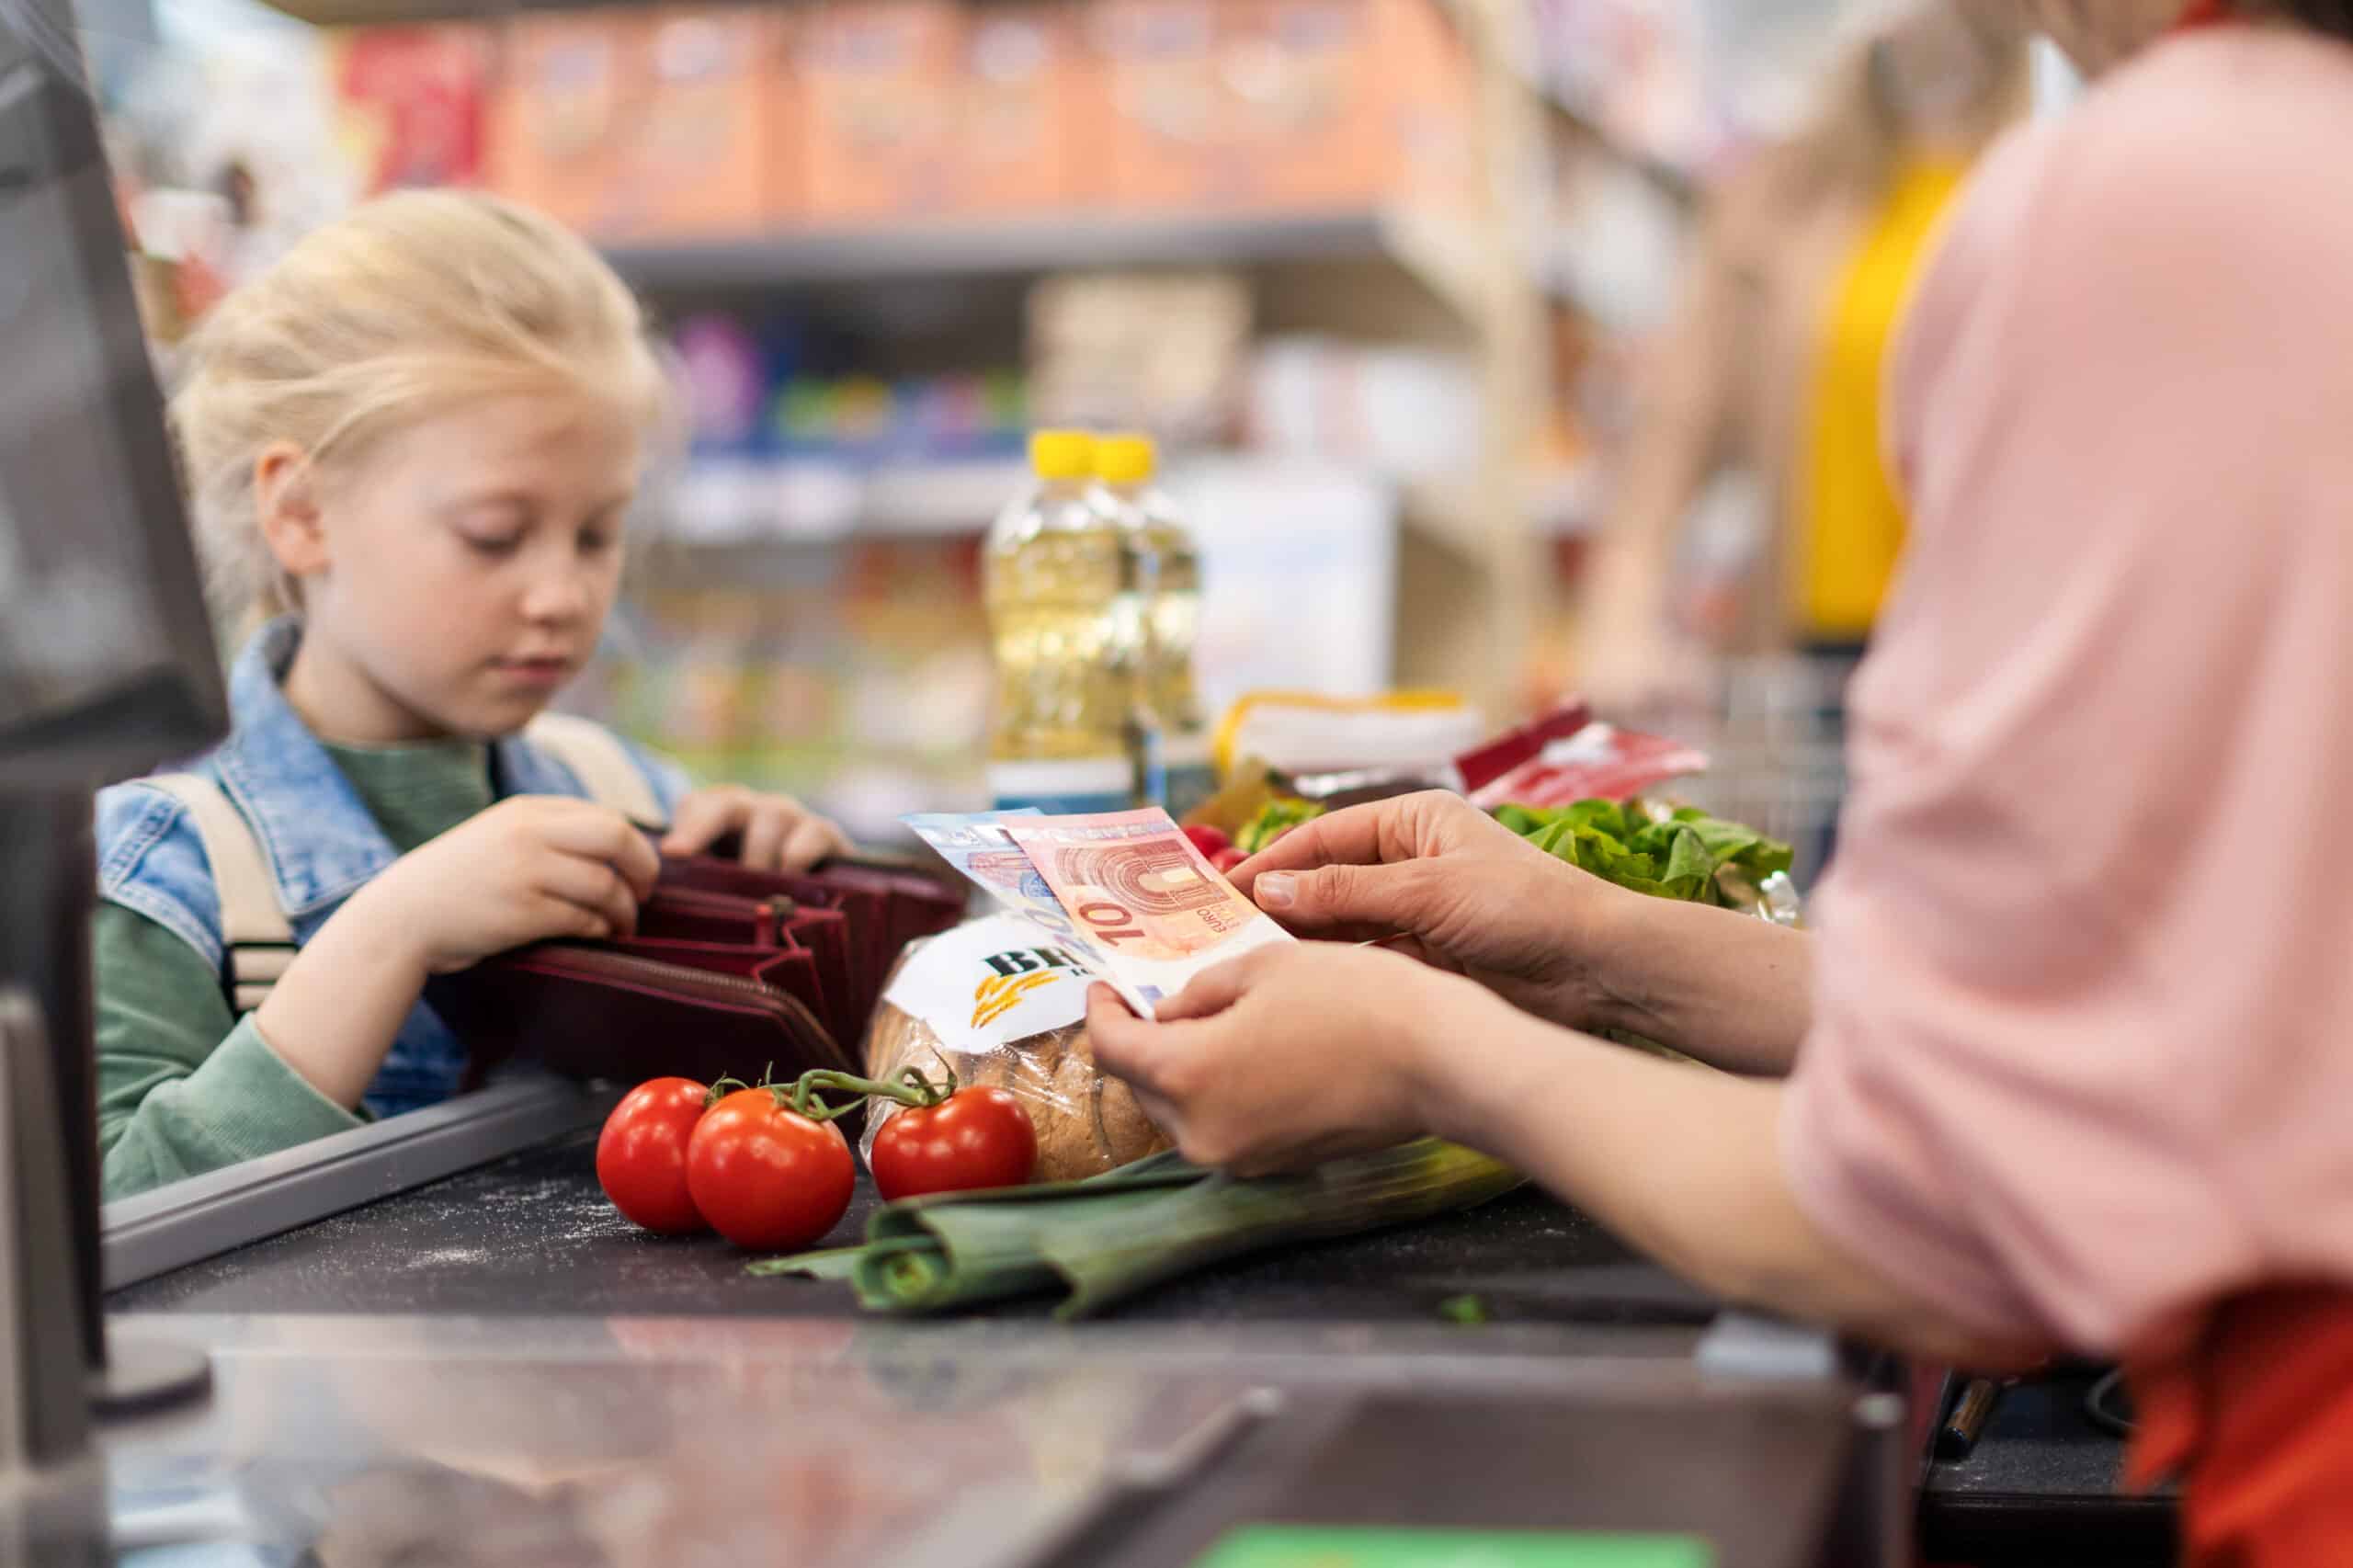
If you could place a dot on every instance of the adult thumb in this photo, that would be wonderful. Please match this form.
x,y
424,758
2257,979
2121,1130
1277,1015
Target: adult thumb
x,y
1348,902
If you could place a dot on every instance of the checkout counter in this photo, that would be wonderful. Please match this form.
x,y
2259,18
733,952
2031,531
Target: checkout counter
x,y
494,1366
482,1363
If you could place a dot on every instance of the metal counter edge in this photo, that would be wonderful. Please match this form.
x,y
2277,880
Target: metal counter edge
x,y
207,1215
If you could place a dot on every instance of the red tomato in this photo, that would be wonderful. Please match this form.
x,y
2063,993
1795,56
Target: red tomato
x,y
642,1154
766,1177
1227,859
976,1137
1208,840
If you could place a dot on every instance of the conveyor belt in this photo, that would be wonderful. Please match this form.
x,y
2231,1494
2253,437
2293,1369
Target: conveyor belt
x,y
533,1235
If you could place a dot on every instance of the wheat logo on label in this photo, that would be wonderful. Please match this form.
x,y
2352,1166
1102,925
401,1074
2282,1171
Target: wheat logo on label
x,y
1013,976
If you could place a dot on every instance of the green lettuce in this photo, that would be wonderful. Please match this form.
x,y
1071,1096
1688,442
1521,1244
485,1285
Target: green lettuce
x,y
1276,818
1619,842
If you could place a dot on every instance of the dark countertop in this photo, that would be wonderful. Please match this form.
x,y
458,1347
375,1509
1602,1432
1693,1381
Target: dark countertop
x,y
473,1358
2042,1485
534,1234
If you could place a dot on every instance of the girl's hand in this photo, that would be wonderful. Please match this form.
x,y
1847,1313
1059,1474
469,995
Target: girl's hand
x,y
528,869
779,833
1294,1055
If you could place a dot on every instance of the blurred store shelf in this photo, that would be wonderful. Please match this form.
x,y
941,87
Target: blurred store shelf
x,y
1449,511
1520,56
1673,178
375,12
1455,513
738,502
1438,250
733,504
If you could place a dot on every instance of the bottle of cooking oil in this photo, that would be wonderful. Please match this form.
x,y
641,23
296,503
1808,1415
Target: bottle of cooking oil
x,y
1164,610
1053,577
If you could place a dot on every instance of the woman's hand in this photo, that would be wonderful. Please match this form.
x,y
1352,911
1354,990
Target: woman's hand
x,y
779,833
1437,878
1293,1055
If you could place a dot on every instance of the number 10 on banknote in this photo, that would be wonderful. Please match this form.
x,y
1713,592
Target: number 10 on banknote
x,y
1135,886
1125,891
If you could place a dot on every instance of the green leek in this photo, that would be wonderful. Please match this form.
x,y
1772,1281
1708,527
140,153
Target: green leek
x,y
1101,1241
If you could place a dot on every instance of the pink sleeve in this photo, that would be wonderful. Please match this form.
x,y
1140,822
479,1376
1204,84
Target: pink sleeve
x,y
2083,1041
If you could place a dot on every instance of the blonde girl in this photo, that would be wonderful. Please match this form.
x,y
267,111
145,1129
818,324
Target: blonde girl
x,y
411,446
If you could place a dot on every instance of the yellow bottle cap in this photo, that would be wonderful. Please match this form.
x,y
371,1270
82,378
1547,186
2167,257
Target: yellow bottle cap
x,y
1062,454
1126,459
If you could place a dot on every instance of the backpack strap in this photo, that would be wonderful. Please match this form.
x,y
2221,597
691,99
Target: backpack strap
x,y
602,764
258,941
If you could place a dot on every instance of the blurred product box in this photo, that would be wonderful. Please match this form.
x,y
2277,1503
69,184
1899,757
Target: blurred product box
x,y
1301,560
1306,103
921,422
563,116
1164,136
1029,135
690,121
1159,351
709,153
725,373
1281,105
412,102
1348,103
878,89
663,123
1433,111
1410,414
861,681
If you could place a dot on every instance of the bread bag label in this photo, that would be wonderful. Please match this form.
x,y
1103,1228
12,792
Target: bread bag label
x,y
991,983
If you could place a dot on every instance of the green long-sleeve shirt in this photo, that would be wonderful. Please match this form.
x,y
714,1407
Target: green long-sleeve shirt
x,y
184,1085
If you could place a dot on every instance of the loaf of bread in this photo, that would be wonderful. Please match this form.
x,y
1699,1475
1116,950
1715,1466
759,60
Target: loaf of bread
x,y
1088,1122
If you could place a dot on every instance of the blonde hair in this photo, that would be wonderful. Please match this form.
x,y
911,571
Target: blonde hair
x,y
405,307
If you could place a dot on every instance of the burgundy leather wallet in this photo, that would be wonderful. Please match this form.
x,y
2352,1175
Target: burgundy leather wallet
x,y
731,971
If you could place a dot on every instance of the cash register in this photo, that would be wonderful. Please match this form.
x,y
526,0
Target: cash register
x,y
107,668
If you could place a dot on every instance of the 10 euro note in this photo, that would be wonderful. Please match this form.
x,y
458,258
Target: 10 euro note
x,y
978,844
1136,891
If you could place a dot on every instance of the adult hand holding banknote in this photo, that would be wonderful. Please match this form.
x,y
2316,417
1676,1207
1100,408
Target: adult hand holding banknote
x,y
1257,1053
1125,892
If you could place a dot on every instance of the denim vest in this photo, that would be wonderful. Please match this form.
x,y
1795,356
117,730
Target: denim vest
x,y
315,833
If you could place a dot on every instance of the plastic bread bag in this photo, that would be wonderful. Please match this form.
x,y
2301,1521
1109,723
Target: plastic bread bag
x,y
996,1003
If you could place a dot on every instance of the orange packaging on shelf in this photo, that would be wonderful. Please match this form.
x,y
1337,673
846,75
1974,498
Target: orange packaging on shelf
x,y
411,102
877,88
1163,143
566,113
714,125
1433,104
1305,103
1023,140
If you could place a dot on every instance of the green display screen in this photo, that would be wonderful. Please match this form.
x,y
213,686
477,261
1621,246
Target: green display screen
x,y
1315,1546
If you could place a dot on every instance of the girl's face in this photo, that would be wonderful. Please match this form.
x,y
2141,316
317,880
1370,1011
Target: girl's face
x,y
458,573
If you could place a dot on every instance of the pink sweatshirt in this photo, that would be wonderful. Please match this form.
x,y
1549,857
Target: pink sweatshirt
x,y
2081,1056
